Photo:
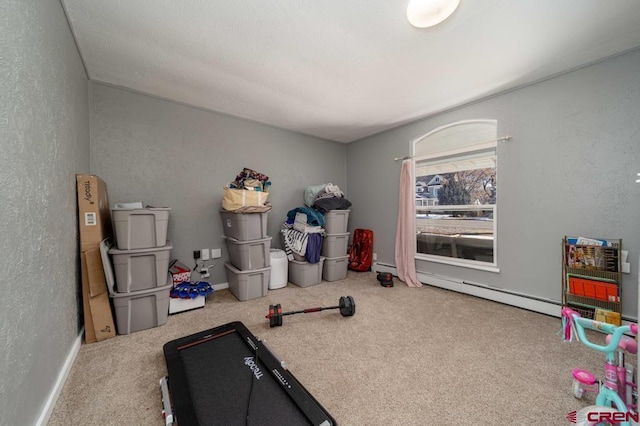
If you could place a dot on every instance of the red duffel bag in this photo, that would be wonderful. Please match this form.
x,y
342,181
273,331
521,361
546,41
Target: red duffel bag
x,y
361,252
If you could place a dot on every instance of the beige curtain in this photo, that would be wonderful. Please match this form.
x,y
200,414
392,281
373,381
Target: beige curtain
x,y
406,229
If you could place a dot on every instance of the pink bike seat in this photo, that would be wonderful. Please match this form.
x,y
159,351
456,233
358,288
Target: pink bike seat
x,y
627,343
583,376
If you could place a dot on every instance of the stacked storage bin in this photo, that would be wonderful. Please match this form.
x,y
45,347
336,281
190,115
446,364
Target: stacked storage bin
x,y
335,245
249,247
141,263
301,272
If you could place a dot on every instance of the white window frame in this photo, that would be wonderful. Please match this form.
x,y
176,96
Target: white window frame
x,y
488,141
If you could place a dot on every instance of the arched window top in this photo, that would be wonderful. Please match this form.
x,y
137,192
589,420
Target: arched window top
x,y
457,137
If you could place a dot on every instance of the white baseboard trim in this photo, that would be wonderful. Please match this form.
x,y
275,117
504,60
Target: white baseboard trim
x,y
220,286
508,297
60,381
532,303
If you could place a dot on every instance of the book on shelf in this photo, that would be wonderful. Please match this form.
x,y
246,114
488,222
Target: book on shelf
x,y
584,241
608,316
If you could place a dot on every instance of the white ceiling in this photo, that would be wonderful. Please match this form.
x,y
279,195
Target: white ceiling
x,y
340,69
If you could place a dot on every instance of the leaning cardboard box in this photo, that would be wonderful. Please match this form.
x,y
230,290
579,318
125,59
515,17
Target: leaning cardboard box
x,y
94,221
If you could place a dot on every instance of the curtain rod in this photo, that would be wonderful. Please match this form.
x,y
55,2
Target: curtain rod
x,y
504,138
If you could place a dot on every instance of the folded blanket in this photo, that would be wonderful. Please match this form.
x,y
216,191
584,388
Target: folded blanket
x,y
314,217
326,204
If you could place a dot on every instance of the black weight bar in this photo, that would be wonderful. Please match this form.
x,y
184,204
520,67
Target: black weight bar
x,y
346,305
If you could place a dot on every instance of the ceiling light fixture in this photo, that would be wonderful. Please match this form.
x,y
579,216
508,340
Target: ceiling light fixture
x,y
427,13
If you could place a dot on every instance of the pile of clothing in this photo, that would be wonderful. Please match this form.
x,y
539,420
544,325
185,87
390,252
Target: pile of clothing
x,y
303,231
325,197
247,193
251,180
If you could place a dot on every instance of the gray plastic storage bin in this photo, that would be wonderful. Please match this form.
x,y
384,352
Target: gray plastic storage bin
x,y
335,268
140,310
247,285
305,274
140,228
336,221
140,269
244,226
335,245
249,255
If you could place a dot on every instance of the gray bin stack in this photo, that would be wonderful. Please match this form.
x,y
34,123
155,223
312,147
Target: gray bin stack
x,y
249,247
335,245
141,263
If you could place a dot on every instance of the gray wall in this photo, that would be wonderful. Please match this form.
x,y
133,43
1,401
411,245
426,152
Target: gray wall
x,y
569,170
44,129
167,154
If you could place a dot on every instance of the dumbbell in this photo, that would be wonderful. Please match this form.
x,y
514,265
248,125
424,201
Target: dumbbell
x,y
346,305
385,278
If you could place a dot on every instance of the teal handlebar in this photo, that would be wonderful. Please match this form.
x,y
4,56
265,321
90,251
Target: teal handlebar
x,y
615,331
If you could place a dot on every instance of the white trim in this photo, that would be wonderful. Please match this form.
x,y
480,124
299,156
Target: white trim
x,y
465,263
543,306
444,126
477,147
220,286
520,300
60,381
507,297
483,146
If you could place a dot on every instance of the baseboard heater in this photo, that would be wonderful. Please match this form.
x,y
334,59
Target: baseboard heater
x,y
484,291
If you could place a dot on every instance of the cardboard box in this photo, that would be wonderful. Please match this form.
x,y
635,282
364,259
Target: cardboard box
x,y
94,216
94,222
179,272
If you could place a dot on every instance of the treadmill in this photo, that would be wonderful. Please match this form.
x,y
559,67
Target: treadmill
x,y
227,376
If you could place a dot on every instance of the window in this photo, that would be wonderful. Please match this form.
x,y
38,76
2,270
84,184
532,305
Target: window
x,y
456,192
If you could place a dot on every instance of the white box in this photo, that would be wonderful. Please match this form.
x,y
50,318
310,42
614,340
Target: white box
x,y
177,305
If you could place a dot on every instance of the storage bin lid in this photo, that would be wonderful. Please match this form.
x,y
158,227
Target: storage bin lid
x,y
304,262
134,294
337,257
168,246
277,253
234,241
235,270
140,209
337,235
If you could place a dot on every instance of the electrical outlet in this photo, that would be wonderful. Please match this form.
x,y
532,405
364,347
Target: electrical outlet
x,y
204,273
216,253
205,254
375,257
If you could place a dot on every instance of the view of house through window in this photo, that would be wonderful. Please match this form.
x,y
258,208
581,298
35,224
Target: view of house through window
x,y
456,193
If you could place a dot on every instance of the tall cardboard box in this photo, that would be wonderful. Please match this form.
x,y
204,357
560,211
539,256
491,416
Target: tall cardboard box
x,y
94,219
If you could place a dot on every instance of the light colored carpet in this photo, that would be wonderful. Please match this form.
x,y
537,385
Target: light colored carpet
x,y
408,357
